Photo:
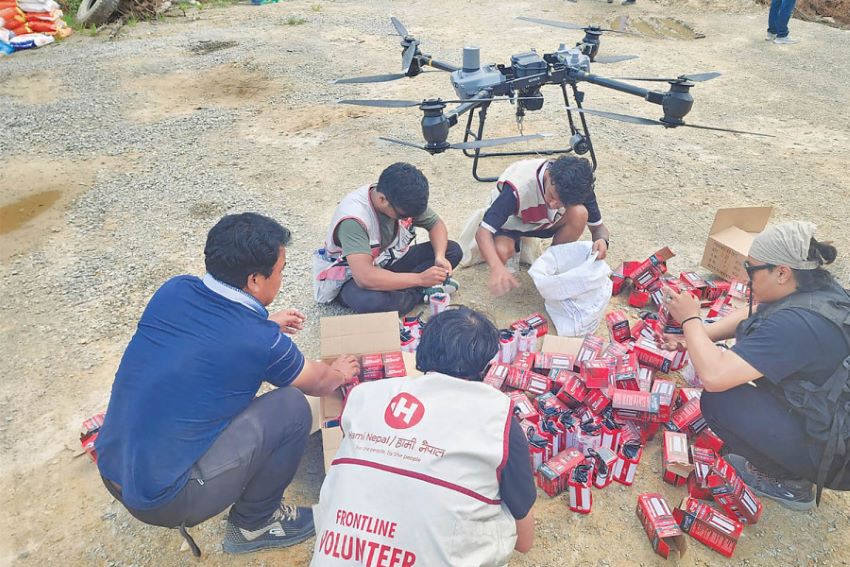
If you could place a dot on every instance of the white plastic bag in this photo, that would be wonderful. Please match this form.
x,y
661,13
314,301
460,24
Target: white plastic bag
x,y
575,285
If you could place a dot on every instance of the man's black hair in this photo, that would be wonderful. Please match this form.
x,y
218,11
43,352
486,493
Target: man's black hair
x,y
406,188
573,179
243,244
457,342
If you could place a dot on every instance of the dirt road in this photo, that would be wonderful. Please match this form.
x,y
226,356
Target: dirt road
x,y
135,147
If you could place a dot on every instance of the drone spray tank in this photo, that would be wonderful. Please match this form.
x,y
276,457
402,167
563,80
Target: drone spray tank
x,y
472,77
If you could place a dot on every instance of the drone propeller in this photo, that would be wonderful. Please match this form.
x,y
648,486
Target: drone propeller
x,y
370,79
399,27
695,78
614,58
650,122
569,26
470,145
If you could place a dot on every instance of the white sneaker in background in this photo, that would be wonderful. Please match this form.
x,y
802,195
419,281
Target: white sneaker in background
x,y
787,40
770,36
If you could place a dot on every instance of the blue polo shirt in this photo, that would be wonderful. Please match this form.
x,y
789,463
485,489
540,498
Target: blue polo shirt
x,y
198,357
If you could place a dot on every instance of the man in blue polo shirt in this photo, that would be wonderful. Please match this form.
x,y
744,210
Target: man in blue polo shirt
x,y
184,435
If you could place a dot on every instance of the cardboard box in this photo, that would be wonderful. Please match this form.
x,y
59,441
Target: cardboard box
x,y
729,240
661,528
675,458
373,333
708,526
562,345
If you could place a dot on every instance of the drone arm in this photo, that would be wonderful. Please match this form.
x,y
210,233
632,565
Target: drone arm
x,y
652,96
466,106
431,62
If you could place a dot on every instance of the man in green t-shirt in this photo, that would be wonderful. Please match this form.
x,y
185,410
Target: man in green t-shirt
x,y
371,232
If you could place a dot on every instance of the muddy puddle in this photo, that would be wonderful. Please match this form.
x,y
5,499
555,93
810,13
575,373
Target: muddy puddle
x,y
14,215
662,28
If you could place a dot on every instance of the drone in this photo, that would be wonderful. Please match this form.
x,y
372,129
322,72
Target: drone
x,y
477,86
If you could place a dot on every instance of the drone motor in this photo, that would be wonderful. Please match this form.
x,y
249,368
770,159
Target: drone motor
x,y
573,57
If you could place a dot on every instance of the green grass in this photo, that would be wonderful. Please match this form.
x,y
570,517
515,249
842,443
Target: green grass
x,y
294,21
316,7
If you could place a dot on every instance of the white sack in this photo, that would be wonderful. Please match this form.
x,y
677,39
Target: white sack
x,y
575,286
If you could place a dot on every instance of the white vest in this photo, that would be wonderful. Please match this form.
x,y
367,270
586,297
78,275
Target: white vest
x,y
524,179
357,205
416,478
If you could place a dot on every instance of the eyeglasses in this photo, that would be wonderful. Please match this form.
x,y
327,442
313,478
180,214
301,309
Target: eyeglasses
x,y
750,269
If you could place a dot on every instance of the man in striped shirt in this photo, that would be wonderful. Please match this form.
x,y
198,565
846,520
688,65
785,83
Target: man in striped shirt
x,y
184,435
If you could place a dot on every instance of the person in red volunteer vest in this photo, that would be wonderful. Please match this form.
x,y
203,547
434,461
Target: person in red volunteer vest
x,y
433,470
539,198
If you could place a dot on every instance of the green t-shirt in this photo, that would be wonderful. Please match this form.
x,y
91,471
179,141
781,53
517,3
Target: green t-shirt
x,y
354,239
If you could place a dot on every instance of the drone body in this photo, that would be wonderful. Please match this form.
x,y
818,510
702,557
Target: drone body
x,y
478,86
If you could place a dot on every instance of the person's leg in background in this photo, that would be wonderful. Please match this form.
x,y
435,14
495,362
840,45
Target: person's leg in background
x,y
369,301
772,17
783,16
768,444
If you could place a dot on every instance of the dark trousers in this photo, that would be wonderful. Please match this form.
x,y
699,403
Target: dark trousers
x,y
249,466
757,425
779,16
418,259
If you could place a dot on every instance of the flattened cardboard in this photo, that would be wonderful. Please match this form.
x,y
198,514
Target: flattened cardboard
x,y
561,345
730,238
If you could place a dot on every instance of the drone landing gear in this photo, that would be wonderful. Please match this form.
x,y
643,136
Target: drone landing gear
x,y
478,134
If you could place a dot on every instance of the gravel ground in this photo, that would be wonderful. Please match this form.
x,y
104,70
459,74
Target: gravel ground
x,y
153,136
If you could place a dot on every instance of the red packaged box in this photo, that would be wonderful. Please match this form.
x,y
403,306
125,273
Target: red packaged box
x,y
687,417
629,456
666,390
89,432
616,350
735,497
708,439
708,526
703,460
696,281
550,405
655,264
739,289
618,326
522,406
528,381
553,474
523,361
618,280
644,402
687,394
394,365
612,432
661,528
628,267
371,367
675,458
597,373
719,305
589,436
626,372
597,400
534,321
547,361
581,500
603,468
638,298
591,348
649,354
645,377
496,375
572,391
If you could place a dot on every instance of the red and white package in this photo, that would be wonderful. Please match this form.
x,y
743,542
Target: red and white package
x,y
708,526
572,391
661,528
528,381
628,459
89,432
591,348
735,497
603,469
675,458
550,361
618,326
534,321
597,400
708,439
645,377
522,406
371,367
666,390
703,460
393,365
553,474
581,499
597,373
650,354
496,375
507,346
688,417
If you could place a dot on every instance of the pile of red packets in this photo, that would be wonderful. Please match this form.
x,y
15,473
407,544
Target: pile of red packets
x,y
89,432
377,367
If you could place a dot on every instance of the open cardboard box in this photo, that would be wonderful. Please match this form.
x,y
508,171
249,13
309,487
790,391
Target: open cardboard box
x,y
730,238
561,345
371,333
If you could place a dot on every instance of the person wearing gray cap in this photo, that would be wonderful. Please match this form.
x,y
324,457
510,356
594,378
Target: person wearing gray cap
x,y
780,397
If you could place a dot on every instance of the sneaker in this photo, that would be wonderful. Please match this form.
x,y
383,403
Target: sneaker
x,y
794,494
287,526
770,36
628,2
448,287
787,40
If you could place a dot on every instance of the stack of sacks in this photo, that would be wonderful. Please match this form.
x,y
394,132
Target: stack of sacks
x,y
26,24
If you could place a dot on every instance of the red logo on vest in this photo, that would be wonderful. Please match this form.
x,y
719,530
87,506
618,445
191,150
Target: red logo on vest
x,y
404,411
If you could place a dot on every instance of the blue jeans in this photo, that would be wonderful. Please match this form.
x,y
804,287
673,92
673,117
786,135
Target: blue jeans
x,y
779,16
